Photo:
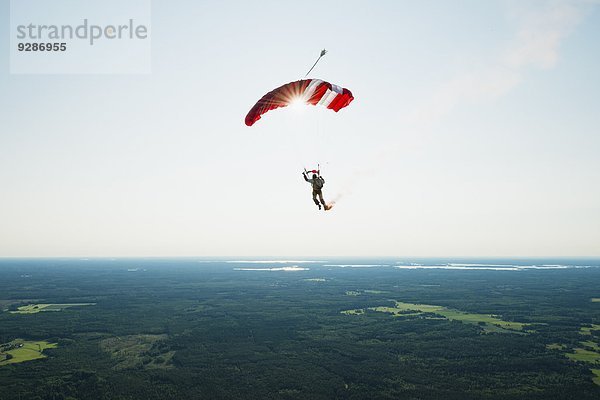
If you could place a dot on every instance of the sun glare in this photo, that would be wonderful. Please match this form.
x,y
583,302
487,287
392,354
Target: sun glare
x,y
296,103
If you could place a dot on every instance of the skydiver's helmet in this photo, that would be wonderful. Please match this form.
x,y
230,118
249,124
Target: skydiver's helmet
x,y
314,176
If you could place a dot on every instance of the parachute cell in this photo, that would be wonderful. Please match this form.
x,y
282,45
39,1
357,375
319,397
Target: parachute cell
x,y
308,91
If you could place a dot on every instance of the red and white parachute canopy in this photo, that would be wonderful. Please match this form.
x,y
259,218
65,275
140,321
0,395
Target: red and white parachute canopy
x,y
308,91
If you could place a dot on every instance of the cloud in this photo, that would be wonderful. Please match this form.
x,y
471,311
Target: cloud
x,y
536,44
541,28
538,40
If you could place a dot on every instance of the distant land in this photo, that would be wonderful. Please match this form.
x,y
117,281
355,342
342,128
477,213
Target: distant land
x,y
300,327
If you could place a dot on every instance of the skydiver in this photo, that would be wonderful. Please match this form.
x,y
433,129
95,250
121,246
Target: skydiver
x,y
317,183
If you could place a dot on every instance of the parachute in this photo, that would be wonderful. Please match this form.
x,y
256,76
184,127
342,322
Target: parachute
x,y
308,91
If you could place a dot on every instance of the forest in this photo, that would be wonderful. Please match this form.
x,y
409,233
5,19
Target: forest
x,y
218,329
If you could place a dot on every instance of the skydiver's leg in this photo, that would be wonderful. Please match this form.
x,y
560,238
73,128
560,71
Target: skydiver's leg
x,y
314,195
321,197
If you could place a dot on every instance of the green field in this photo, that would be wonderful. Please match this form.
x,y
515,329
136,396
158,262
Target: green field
x,y
555,346
489,323
590,353
597,378
24,350
36,308
358,311
584,355
587,330
592,345
596,300
360,292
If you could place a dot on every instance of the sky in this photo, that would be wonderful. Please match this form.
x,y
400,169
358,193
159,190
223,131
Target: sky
x,y
474,132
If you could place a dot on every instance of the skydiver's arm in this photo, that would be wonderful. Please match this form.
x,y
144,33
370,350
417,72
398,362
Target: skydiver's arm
x,y
305,178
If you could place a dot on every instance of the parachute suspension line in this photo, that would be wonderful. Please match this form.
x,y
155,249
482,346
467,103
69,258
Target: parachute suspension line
x,y
323,52
319,133
317,119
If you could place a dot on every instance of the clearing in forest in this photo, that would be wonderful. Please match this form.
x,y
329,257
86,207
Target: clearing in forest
x,y
360,292
587,330
19,351
36,308
584,355
490,323
597,378
588,353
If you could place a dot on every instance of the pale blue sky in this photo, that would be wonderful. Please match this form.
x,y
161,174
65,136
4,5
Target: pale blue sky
x,y
474,131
